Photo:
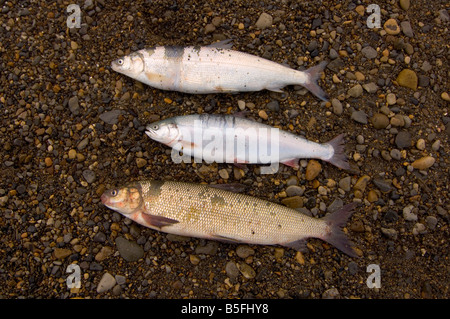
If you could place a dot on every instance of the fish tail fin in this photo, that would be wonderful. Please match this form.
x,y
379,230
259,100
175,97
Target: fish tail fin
x,y
313,75
336,236
339,157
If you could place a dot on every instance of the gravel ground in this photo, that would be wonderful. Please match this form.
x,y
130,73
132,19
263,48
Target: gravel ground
x,y
71,128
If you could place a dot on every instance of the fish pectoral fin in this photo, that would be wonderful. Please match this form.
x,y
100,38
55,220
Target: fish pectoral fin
x,y
158,221
187,144
225,239
291,163
299,245
232,187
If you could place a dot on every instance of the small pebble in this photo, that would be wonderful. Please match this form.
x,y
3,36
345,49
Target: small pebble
x,y
244,251
389,233
418,229
294,190
361,184
391,27
423,163
232,270
262,114
355,91
359,116
420,145
337,106
331,293
313,170
404,4
247,271
129,250
403,140
223,173
436,145
194,259
345,183
408,213
371,87
431,222
369,52
407,29
379,121
264,21
106,283
408,78
391,99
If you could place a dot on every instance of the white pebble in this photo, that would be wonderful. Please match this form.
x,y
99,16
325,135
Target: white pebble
x,y
106,283
420,145
241,105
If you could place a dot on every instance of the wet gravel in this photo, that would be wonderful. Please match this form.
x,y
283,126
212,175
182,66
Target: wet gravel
x,y
71,128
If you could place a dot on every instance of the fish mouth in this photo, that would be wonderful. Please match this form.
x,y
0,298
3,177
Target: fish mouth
x,y
150,133
115,66
104,199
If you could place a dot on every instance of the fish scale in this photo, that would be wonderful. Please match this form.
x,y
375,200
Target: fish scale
x,y
213,69
228,214
208,211
236,139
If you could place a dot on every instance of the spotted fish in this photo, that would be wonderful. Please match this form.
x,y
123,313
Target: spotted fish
x,y
213,69
203,211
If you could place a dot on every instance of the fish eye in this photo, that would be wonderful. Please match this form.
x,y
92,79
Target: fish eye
x,y
114,192
155,127
120,62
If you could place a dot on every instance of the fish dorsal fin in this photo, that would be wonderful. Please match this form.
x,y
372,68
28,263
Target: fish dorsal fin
x,y
224,44
241,114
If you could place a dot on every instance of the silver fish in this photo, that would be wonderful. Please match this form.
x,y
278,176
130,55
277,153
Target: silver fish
x,y
197,210
213,69
236,139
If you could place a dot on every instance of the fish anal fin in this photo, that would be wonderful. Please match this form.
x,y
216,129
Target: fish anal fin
x,y
299,245
225,239
232,187
292,163
158,221
275,89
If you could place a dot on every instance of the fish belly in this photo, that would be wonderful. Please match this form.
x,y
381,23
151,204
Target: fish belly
x,y
212,70
227,139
